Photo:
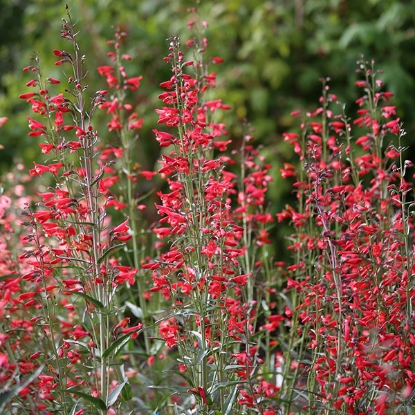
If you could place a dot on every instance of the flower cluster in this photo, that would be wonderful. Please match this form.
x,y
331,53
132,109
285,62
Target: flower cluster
x,y
353,236
214,218
59,299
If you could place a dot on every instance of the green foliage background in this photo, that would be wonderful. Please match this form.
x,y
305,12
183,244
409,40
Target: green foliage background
x,y
274,51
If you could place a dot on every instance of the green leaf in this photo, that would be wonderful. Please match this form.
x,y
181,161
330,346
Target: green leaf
x,y
137,311
127,393
86,297
392,17
113,396
222,385
7,396
363,32
75,407
231,367
98,403
230,399
200,356
118,344
109,251
80,223
122,373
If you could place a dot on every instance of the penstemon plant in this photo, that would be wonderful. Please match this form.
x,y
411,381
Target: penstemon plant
x,y
211,266
352,278
69,302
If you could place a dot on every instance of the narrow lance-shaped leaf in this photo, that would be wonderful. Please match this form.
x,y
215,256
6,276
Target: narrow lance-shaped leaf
x,y
86,297
113,396
109,251
117,346
98,403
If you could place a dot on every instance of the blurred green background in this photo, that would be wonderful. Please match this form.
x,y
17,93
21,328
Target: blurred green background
x,y
274,51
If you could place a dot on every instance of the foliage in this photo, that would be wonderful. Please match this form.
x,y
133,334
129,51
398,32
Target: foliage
x,y
273,52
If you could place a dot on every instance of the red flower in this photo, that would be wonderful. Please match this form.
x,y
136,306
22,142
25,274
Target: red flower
x,y
217,60
27,95
36,125
46,148
240,279
121,228
103,70
39,169
169,330
148,175
126,274
133,83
